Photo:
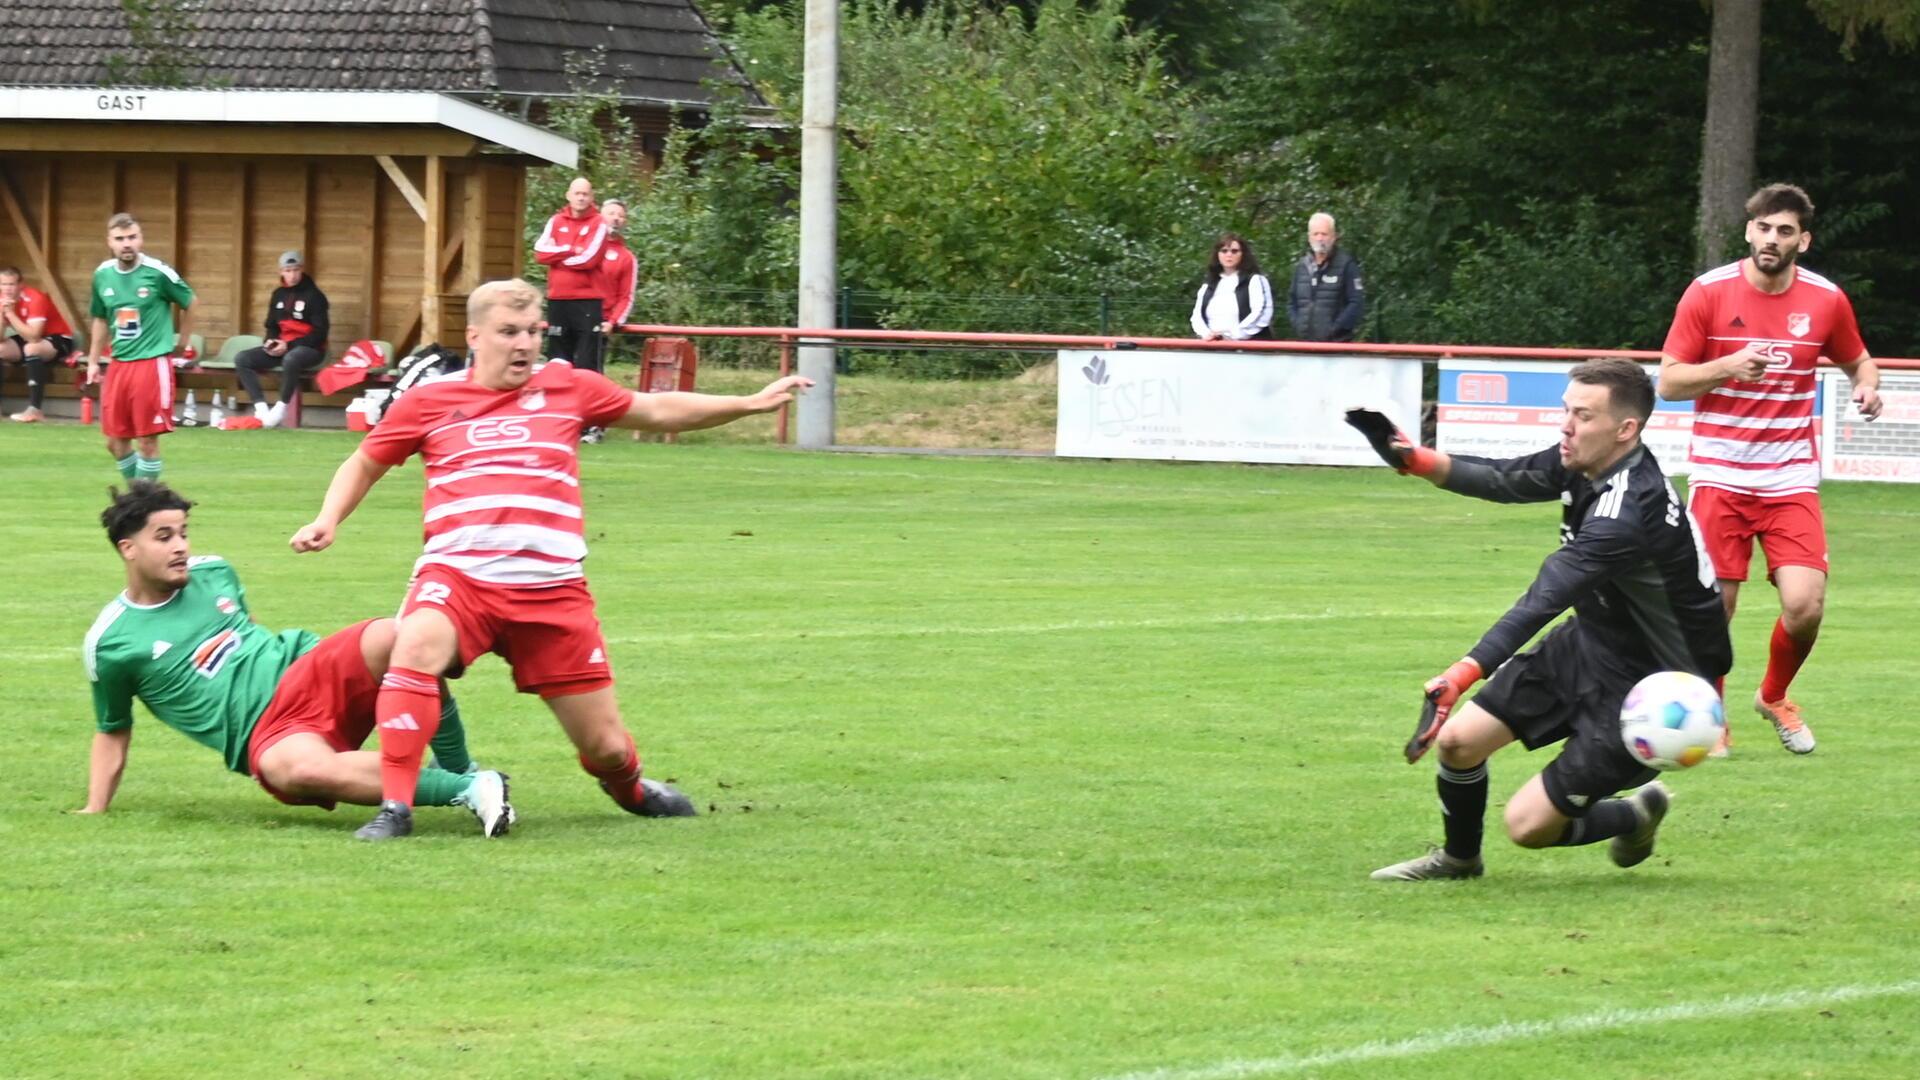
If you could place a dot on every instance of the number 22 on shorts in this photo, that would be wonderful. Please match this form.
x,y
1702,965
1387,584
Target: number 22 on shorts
x,y
432,592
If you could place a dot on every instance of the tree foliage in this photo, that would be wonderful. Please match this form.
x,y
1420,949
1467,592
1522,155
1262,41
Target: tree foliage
x,y
1509,172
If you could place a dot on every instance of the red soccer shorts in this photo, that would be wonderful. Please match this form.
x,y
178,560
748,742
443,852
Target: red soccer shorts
x,y
136,398
328,692
549,635
1790,528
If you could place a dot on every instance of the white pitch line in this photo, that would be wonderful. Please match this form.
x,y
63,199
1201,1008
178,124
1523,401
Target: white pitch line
x,y
802,633
1075,626
862,632
1518,1031
1142,488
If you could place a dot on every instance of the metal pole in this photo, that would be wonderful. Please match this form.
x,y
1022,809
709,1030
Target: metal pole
x,y
786,369
819,134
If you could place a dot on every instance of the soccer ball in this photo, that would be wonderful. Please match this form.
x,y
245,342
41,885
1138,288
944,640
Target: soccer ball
x,y
1671,720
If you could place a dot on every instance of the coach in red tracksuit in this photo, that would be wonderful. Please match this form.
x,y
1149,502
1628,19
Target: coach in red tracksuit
x,y
571,249
617,269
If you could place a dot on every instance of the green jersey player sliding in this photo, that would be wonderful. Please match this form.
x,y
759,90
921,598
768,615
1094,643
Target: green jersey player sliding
x,y
289,709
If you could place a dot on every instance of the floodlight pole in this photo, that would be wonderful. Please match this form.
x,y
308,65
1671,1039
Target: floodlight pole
x,y
819,135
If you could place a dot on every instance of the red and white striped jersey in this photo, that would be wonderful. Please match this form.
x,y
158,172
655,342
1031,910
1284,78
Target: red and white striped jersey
x,y
502,503
1761,437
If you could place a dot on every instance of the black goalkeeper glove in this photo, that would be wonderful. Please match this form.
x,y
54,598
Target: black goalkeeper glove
x,y
1399,452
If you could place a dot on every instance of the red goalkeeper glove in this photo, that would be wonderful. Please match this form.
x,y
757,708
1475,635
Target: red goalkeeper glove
x,y
1392,444
1442,693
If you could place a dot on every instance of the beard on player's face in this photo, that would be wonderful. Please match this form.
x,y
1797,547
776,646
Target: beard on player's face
x,y
1774,257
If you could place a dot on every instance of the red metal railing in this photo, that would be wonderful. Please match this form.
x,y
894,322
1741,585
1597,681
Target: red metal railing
x,y
789,337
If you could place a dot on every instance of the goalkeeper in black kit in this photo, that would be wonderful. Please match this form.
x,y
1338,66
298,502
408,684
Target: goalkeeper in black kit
x,y
1644,598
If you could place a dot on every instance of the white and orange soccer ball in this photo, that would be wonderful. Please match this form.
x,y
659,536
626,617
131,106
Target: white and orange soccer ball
x,y
1671,720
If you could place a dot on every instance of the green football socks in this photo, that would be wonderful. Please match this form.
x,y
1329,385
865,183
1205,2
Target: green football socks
x,y
438,787
450,741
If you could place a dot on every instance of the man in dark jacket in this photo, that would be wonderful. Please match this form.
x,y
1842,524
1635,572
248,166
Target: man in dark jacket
x,y
296,337
1328,298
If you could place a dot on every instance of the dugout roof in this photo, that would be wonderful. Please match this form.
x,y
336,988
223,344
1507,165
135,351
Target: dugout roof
x,y
658,52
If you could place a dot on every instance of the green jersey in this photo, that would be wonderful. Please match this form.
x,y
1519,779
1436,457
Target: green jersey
x,y
138,306
198,661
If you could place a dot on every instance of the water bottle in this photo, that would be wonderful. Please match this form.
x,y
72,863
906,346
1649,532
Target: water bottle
x,y
190,414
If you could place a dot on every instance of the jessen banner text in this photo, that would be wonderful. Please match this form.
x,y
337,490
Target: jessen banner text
x,y
1218,406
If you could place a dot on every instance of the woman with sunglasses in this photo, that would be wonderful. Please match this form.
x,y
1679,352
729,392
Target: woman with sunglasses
x,y
1236,303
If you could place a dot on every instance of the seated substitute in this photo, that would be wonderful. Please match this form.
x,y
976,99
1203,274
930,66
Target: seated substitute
x,y
297,329
33,332
289,709
1633,570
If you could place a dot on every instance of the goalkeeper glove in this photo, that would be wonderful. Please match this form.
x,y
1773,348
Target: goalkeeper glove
x,y
1442,693
1392,444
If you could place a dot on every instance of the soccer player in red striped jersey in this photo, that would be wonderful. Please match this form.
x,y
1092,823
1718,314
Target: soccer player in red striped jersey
x,y
505,537
1743,346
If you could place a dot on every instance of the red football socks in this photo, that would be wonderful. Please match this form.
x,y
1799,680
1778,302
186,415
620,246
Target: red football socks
x,y
1785,654
622,784
407,713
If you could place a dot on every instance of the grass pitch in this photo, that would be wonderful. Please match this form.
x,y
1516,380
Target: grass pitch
x,y
1010,768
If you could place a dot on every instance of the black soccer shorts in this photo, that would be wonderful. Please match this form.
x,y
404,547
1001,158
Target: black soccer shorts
x,y
1570,688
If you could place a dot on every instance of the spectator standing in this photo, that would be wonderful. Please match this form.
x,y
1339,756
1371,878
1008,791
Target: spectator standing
x,y
297,326
1328,298
617,270
32,331
570,248
139,293
615,281
1236,303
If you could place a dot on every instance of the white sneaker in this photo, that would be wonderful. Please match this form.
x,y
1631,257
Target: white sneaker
x,y
1435,865
487,798
273,416
260,412
28,415
1794,733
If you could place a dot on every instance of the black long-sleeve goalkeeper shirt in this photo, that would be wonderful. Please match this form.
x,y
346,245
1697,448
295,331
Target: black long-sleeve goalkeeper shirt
x,y
1630,563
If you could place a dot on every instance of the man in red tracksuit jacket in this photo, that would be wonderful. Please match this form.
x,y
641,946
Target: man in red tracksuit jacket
x,y
570,249
617,269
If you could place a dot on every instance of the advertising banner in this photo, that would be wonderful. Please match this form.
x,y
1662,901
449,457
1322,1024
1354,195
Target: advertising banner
x,y
1499,409
1220,406
1888,449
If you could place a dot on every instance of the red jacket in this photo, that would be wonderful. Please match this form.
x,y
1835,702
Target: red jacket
x,y
569,248
616,280
33,304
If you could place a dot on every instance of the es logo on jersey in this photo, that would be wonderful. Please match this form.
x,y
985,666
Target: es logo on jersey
x,y
212,654
498,433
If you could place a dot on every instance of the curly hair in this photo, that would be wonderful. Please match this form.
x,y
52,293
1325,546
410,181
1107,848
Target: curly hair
x,y
127,514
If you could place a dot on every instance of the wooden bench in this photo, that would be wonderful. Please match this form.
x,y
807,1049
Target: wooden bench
x,y
317,410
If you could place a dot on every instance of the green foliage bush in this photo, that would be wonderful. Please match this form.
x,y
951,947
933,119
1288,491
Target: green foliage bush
x,y
1508,172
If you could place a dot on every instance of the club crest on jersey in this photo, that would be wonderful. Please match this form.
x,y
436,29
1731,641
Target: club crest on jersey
x,y
226,605
143,292
533,398
213,653
1799,323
